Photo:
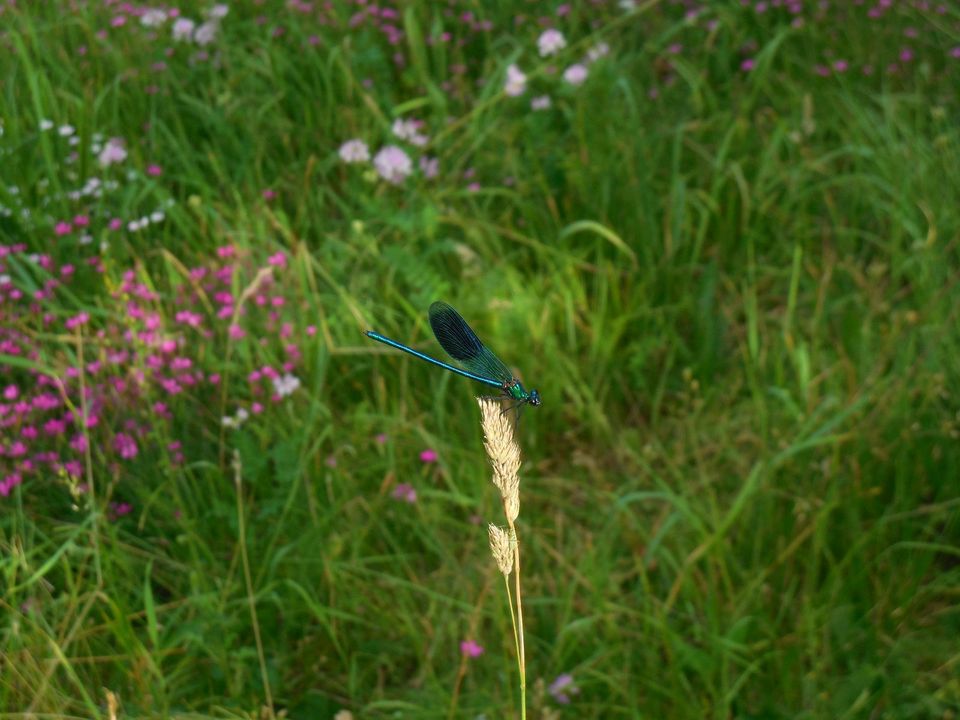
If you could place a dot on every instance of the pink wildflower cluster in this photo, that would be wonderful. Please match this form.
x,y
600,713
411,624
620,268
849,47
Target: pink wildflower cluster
x,y
158,350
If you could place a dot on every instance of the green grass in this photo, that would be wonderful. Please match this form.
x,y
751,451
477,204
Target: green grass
x,y
738,299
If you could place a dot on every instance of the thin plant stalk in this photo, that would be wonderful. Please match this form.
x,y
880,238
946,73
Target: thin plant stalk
x,y
504,454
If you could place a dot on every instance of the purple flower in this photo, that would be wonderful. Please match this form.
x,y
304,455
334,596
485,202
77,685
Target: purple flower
x,y
562,688
471,648
405,492
429,456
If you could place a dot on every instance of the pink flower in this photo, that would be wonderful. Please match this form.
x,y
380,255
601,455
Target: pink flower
x,y
120,509
551,42
63,228
405,492
409,130
236,332
77,320
748,64
428,456
113,152
125,446
516,82
154,170
575,74
9,483
393,164
277,260
354,151
471,648
268,194
81,221
381,439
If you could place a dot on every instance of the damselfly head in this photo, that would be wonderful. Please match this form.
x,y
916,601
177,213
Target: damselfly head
x,y
534,398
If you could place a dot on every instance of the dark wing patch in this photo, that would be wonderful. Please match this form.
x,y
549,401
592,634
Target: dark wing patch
x,y
463,345
453,333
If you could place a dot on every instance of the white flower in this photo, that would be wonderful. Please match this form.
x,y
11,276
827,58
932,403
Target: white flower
x,y
157,216
541,102
113,152
242,415
218,11
627,5
516,83
285,385
66,130
153,17
598,51
85,239
183,29
409,130
46,124
393,164
354,151
551,42
205,34
575,74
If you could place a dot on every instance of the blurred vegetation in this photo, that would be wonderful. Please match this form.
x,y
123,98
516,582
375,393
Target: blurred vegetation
x,y
735,286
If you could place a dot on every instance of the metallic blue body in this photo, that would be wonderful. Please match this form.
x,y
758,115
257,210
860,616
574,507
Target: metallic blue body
x,y
399,346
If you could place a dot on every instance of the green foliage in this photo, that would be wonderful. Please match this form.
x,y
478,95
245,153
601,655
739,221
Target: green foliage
x,y
737,296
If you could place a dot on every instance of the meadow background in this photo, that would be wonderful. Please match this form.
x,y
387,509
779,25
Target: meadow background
x,y
720,238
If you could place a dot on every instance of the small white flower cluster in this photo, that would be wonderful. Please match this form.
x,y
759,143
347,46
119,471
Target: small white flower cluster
x,y
109,152
157,216
238,419
392,163
112,152
286,384
184,29
409,130
516,81
550,43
